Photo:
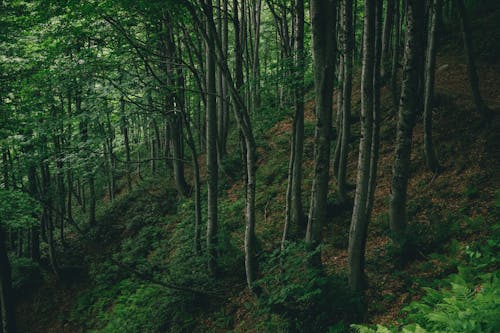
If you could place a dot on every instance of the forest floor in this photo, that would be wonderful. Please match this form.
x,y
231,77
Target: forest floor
x,y
468,151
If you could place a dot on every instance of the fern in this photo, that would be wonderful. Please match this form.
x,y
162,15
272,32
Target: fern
x,y
469,302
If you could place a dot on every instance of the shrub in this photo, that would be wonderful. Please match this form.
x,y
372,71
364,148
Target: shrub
x,y
304,297
467,301
26,274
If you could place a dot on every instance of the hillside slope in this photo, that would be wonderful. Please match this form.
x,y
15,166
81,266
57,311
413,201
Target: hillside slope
x,y
136,272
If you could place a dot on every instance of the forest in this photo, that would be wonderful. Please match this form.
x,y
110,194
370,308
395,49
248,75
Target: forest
x,y
249,166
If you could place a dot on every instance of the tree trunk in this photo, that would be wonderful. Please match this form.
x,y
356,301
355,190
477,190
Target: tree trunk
x,y
359,220
7,317
211,143
221,88
111,154
127,145
294,209
244,124
197,187
5,170
346,97
386,38
92,201
256,59
406,119
430,65
376,111
35,229
395,54
471,61
323,25
175,123
48,217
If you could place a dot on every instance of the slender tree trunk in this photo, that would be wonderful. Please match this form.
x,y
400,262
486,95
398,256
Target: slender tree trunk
x,y
92,201
48,216
69,205
220,90
346,107
244,124
323,25
376,110
294,208
212,167
386,38
20,243
126,141
471,61
35,229
112,158
395,54
359,220
5,170
12,169
430,65
197,187
60,196
340,95
256,59
7,301
406,119
224,126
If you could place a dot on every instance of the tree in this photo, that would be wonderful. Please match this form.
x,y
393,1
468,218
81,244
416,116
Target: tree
x,y
346,97
242,116
398,19
323,25
15,209
471,61
406,119
212,168
430,66
294,209
359,221
7,317
390,7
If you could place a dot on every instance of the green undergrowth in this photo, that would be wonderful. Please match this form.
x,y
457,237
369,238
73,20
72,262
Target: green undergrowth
x,y
303,298
466,301
146,276
144,243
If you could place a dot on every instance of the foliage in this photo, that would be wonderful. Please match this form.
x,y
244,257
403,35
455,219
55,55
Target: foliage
x,y
17,209
467,301
26,274
124,296
148,308
303,296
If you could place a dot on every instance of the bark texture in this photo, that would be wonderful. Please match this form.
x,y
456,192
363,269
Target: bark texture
x,y
406,119
430,68
359,220
323,14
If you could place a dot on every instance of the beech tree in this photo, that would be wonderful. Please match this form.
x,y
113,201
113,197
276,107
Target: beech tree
x,y
344,138
212,168
430,65
413,52
323,14
359,221
471,61
294,215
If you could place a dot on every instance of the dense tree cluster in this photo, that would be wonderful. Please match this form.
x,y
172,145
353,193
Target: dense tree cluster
x,y
95,92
